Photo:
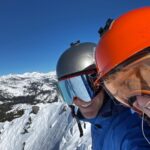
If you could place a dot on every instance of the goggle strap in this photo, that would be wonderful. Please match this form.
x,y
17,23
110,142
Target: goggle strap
x,y
97,81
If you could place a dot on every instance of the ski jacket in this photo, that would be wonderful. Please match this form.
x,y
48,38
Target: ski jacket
x,y
117,128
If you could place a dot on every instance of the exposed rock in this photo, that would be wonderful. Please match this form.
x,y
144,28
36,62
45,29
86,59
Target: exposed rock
x,y
35,109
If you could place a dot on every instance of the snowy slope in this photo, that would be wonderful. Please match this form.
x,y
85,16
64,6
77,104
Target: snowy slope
x,y
42,125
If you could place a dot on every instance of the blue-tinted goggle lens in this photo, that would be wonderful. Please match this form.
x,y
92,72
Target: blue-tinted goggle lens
x,y
79,86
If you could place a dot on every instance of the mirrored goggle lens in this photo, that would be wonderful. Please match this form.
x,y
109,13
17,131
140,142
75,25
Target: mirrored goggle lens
x,y
79,86
131,80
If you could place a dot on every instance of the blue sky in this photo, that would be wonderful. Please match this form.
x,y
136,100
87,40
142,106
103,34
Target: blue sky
x,y
34,33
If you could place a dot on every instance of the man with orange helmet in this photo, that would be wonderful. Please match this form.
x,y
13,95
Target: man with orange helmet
x,y
113,127
123,60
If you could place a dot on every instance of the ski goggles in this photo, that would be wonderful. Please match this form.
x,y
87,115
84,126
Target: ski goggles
x,y
130,79
81,86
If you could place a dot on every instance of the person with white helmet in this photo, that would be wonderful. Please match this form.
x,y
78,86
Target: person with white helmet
x,y
113,126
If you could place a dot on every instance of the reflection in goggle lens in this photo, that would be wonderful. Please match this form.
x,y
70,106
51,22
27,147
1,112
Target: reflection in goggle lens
x,y
81,86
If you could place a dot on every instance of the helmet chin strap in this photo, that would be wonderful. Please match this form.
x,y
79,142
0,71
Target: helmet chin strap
x,y
147,119
74,115
131,100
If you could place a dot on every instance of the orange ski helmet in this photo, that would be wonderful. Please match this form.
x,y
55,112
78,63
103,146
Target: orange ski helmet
x,y
126,36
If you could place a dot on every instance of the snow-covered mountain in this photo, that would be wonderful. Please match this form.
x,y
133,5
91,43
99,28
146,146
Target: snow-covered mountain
x,y
34,117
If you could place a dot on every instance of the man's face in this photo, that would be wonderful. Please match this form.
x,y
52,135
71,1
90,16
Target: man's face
x,y
90,109
143,103
131,80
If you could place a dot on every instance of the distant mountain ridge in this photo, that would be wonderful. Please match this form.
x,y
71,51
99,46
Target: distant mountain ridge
x,y
27,88
27,84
